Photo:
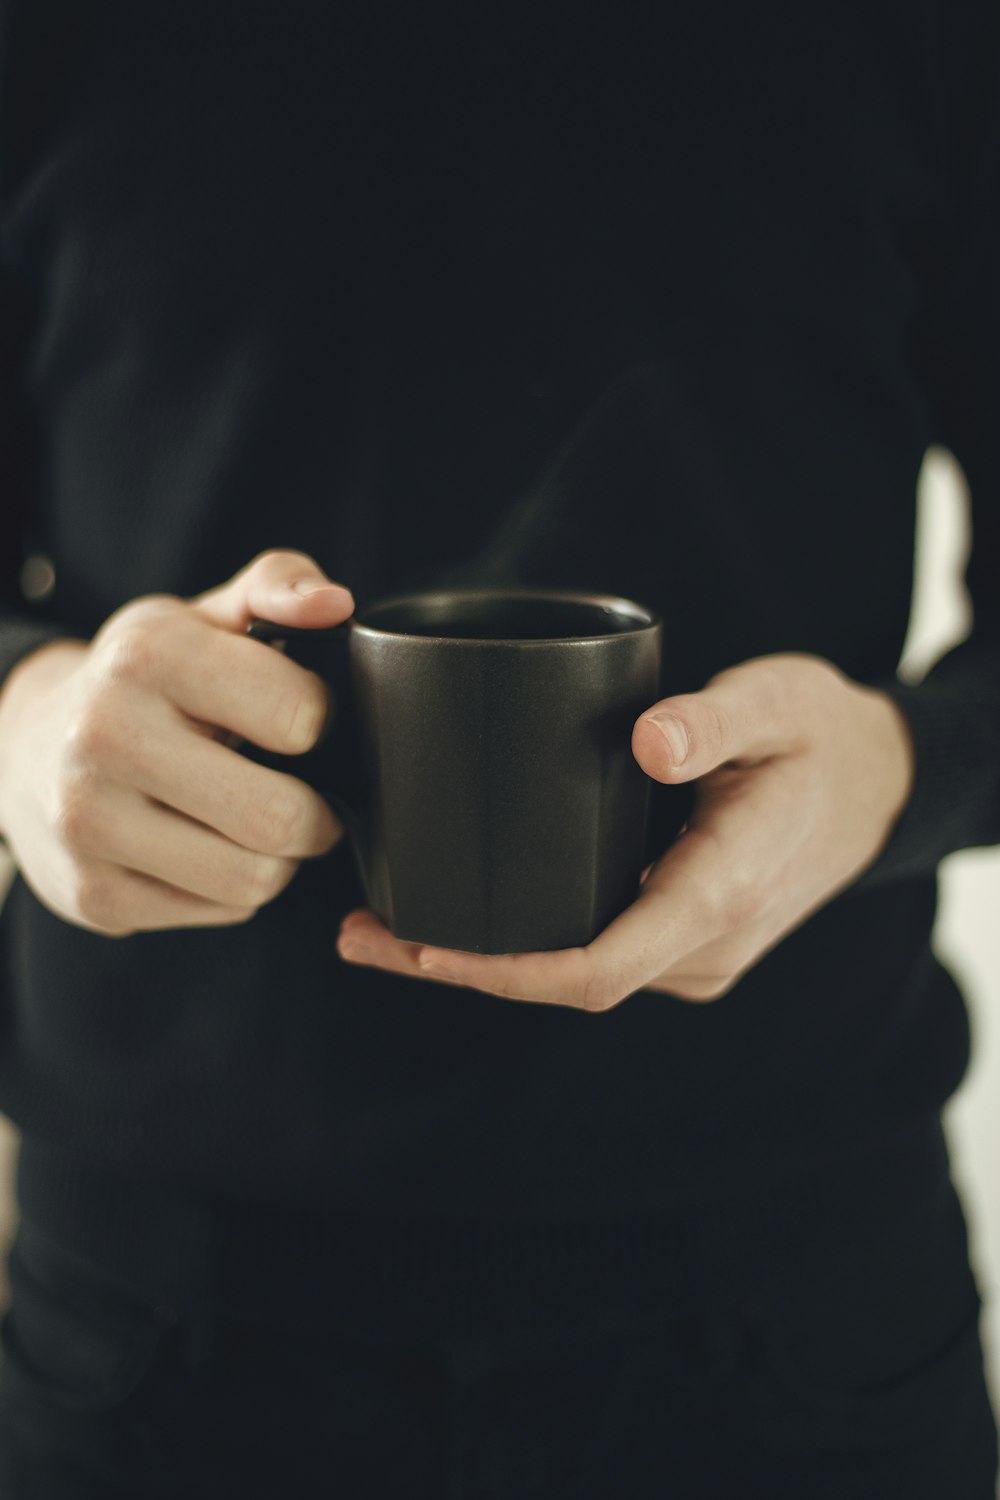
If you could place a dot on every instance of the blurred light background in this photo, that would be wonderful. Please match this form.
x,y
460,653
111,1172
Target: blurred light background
x,y
967,936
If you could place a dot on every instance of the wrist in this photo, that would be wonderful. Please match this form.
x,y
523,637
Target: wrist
x,y
37,674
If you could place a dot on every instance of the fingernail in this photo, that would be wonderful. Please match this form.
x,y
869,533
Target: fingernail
x,y
307,586
674,733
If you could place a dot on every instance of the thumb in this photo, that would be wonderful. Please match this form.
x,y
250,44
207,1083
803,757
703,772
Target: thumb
x,y
743,716
289,588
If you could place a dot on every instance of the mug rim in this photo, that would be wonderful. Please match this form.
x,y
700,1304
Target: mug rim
x,y
646,619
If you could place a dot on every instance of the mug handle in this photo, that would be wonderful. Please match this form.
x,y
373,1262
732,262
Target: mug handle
x,y
352,813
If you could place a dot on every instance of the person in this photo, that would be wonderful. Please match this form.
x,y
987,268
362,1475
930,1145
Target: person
x,y
307,305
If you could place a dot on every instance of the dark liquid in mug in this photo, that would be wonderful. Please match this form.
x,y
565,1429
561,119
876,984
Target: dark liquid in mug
x,y
504,619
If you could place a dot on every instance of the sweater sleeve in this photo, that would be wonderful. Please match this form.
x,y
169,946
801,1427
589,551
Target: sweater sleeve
x,y
954,713
23,625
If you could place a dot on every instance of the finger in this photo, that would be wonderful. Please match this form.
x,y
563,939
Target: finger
x,y
634,949
543,977
715,966
718,899
236,684
260,809
287,587
761,708
118,902
126,829
366,941
710,883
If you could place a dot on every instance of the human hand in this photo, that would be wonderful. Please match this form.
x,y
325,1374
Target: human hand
x,y
122,796
801,775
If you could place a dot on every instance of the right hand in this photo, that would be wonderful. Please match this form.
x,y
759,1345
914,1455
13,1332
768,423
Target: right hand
x,y
123,799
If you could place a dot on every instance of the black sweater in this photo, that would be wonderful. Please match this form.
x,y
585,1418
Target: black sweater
x,y
673,313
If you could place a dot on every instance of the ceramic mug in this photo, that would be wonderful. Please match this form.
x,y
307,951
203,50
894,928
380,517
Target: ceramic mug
x,y
493,801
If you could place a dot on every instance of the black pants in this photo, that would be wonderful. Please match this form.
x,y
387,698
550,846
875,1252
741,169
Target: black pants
x,y
855,1373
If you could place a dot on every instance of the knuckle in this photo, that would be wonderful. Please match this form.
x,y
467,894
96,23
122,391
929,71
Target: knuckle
x,y
598,992
737,903
134,652
98,901
301,716
74,815
282,557
709,987
133,642
716,728
770,678
264,878
278,821
816,669
92,732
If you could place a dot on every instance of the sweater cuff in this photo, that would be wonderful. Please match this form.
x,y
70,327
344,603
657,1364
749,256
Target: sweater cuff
x,y
955,799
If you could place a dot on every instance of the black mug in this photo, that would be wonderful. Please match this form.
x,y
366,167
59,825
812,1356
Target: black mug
x,y
493,801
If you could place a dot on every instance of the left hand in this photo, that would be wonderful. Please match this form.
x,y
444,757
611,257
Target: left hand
x,y
802,774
